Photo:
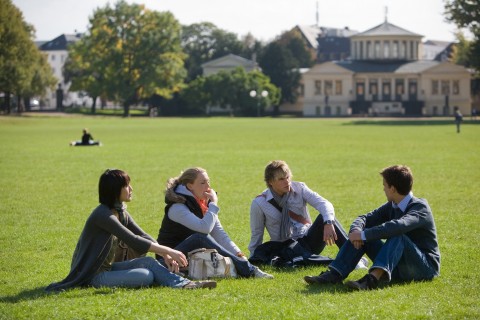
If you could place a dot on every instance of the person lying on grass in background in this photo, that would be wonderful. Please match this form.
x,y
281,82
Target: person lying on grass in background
x,y
191,221
282,210
93,262
410,252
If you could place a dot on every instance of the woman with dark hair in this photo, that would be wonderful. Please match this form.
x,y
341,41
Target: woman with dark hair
x,y
191,221
93,261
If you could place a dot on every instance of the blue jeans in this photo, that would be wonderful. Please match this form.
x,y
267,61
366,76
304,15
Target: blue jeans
x,y
399,257
140,272
200,240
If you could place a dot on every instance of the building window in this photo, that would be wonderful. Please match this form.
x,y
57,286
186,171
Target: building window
x,y
377,49
445,87
386,87
318,87
455,87
339,111
395,50
434,87
386,49
373,87
52,57
399,88
338,87
328,87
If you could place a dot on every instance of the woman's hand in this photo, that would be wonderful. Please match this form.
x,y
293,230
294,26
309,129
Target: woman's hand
x,y
174,259
211,195
171,263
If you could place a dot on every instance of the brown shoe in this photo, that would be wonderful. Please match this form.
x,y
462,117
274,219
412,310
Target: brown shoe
x,y
200,285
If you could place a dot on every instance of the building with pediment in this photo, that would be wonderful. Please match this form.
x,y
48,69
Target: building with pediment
x,y
385,76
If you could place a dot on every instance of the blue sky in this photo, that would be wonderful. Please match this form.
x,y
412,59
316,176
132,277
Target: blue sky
x,y
265,19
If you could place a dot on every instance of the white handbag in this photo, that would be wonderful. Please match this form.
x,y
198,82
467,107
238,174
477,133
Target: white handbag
x,y
208,263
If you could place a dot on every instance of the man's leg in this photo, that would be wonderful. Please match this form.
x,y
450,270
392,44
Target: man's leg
x,y
399,258
314,237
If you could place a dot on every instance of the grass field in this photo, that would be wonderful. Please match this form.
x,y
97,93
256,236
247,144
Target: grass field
x,y
48,189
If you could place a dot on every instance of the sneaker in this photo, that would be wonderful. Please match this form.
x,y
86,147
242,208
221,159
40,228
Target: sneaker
x,y
260,274
362,264
200,285
326,277
368,282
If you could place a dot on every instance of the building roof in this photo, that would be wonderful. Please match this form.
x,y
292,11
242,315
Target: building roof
x,y
384,67
311,33
387,29
229,61
61,42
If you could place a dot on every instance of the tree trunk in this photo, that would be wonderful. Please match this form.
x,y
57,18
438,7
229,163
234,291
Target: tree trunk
x,y
94,105
7,102
126,110
19,104
26,101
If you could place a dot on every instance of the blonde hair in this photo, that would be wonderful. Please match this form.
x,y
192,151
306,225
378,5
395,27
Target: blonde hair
x,y
187,176
276,169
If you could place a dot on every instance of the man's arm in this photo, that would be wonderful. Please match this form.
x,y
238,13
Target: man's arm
x,y
257,226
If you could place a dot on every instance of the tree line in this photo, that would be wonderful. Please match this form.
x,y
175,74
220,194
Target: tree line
x,y
133,55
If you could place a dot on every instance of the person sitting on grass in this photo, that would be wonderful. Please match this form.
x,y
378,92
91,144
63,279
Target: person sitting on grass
x,y
282,210
191,221
410,252
87,140
93,262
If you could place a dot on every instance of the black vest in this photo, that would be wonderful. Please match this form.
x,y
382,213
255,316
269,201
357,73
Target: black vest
x,y
172,233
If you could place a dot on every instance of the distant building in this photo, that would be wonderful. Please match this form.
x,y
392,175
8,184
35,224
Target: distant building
x,y
57,54
386,76
228,62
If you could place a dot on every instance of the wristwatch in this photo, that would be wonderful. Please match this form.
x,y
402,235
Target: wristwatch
x,y
328,222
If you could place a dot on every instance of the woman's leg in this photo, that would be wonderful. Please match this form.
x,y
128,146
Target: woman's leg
x,y
200,240
137,273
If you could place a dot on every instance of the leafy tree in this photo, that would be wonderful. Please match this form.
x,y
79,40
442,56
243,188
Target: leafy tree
x,y
281,61
279,64
231,89
136,52
203,42
461,50
23,69
466,14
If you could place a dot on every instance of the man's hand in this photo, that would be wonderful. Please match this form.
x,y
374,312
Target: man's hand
x,y
355,238
329,234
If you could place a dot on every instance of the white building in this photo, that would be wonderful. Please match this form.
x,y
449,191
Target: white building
x,y
57,54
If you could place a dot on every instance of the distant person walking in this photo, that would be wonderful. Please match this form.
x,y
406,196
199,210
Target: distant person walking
x,y
458,119
87,140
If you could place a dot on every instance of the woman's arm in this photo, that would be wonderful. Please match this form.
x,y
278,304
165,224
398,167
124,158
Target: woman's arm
x,y
181,214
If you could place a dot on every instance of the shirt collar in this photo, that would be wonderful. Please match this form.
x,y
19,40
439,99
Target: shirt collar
x,y
403,204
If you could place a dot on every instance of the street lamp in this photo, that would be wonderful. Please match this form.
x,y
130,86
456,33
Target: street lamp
x,y
260,95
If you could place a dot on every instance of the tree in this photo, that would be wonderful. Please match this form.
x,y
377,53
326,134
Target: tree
x,y
466,14
461,50
136,52
231,89
203,42
23,69
282,59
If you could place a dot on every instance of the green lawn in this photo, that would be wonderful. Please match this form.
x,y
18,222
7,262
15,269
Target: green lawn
x,y
48,189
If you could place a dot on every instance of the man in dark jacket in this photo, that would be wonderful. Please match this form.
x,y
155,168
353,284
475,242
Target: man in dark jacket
x,y
410,251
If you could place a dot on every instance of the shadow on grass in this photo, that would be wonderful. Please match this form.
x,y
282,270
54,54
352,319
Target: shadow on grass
x,y
409,122
36,293
30,294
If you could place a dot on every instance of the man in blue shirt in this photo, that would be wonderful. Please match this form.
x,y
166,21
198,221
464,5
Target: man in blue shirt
x,y
410,251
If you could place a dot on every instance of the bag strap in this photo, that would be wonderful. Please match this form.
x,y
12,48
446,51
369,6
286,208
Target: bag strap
x,y
228,263
292,215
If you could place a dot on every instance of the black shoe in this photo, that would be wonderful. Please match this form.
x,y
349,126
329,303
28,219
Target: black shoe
x,y
368,282
326,277
200,285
